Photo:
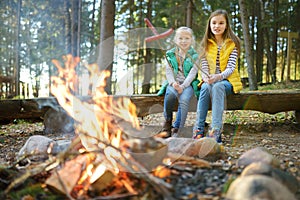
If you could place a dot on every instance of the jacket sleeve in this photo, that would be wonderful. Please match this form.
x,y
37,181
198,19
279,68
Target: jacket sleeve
x,y
169,73
191,76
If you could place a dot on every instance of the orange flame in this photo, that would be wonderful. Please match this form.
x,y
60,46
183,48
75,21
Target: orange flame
x,y
99,124
96,118
102,112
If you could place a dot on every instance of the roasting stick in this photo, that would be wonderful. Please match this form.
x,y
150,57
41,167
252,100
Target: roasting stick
x,y
157,38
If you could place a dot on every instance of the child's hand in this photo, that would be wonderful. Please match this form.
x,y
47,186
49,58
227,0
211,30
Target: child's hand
x,y
214,78
205,79
177,87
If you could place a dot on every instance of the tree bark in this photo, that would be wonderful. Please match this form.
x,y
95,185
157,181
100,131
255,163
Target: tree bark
x,y
259,45
67,26
274,41
247,41
147,65
189,14
17,50
270,63
106,48
75,33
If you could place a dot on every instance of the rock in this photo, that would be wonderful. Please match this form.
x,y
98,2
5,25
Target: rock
x,y
58,121
258,187
264,169
61,146
202,148
258,154
38,146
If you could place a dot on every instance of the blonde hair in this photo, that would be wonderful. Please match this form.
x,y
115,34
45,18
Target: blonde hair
x,y
185,29
228,33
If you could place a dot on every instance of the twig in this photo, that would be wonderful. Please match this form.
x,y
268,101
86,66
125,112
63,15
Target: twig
x,y
42,167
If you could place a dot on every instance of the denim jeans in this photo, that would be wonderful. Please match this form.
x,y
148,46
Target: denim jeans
x,y
171,97
214,95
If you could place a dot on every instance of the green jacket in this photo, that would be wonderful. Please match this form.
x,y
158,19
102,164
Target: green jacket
x,y
189,61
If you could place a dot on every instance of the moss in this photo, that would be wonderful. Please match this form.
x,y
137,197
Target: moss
x,y
35,191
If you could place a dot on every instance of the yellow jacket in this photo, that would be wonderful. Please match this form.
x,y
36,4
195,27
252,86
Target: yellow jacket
x,y
225,52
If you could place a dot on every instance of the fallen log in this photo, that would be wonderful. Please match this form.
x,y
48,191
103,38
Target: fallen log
x,y
270,102
267,102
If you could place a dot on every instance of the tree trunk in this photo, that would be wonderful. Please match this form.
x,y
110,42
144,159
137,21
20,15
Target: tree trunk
x,y
92,39
248,51
147,65
189,14
67,26
106,51
75,32
284,55
274,41
259,46
270,64
17,50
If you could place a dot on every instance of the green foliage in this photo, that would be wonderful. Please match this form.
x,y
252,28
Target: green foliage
x,y
36,191
46,30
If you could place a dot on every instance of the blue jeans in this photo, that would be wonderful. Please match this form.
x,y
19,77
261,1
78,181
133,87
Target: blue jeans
x,y
214,95
171,97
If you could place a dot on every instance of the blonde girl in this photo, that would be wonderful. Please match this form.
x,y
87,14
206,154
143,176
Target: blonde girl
x,y
181,84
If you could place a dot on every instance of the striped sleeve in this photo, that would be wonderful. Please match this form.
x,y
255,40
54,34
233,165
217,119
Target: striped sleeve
x,y
204,68
231,64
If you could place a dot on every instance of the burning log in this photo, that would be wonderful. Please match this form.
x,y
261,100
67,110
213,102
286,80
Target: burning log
x,y
61,179
102,125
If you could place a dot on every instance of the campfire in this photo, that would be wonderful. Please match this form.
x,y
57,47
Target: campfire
x,y
111,156
107,148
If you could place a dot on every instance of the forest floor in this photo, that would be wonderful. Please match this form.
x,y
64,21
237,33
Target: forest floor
x,y
243,130
279,133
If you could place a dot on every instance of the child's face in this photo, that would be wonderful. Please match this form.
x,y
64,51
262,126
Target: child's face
x,y
218,25
184,40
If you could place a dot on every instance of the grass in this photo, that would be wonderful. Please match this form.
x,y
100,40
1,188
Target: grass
x,y
279,86
248,117
244,117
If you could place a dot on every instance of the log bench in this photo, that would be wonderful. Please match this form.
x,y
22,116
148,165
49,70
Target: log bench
x,y
270,102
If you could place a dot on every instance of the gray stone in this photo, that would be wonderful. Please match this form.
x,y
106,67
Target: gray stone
x,y
258,154
201,148
58,121
281,176
258,187
38,146
61,146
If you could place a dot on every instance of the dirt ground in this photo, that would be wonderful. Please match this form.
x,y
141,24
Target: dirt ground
x,y
279,133
245,130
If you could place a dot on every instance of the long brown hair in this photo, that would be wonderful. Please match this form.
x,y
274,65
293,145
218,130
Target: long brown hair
x,y
228,33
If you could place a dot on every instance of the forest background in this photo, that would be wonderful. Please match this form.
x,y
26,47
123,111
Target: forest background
x,y
111,33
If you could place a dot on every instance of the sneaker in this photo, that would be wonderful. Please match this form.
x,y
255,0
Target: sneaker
x,y
216,133
199,133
